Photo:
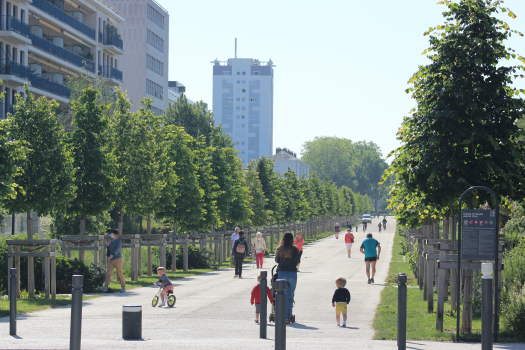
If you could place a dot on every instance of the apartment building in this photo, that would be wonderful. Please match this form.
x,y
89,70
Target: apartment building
x,y
243,104
45,42
145,65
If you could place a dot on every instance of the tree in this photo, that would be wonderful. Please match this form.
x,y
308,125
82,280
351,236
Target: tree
x,y
46,177
463,131
268,179
258,202
93,159
295,204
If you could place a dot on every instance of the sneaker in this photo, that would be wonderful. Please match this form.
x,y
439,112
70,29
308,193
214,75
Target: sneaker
x,y
123,290
162,304
240,276
235,276
372,280
256,321
369,281
287,321
344,325
103,289
298,270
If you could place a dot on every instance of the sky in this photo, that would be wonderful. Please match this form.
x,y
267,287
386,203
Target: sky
x,y
341,66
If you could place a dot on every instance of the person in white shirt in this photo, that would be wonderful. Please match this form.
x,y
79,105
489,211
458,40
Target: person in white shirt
x,y
235,236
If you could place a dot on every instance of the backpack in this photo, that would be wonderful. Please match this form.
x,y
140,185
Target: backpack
x,y
240,247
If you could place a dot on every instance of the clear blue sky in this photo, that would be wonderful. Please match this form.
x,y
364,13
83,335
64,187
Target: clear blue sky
x,y
342,66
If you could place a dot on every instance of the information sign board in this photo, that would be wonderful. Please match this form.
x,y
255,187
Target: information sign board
x,y
479,234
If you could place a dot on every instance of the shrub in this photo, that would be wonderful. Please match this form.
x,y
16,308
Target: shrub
x,y
412,259
197,259
404,247
514,311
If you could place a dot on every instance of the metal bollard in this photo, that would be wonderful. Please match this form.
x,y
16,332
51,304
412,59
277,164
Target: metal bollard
x,y
12,302
132,322
76,312
280,315
486,306
402,311
264,305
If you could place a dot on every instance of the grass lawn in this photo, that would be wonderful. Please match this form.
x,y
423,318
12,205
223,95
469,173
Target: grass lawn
x,y
420,324
25,305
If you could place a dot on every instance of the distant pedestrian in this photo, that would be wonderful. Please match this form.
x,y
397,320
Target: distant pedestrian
x,y
349,239
349,224
340,300
372,249
365,223
356,226
259,247
256,297
114,261
287,257
299,242
240,251
235,235
337,229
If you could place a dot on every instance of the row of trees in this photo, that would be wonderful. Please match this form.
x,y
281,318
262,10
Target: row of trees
x,y
178,167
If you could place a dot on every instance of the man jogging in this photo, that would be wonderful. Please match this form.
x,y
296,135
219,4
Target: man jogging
x,y
372,249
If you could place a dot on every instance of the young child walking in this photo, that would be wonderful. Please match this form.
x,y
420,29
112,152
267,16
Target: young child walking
x,y
166,284
256,297
340,300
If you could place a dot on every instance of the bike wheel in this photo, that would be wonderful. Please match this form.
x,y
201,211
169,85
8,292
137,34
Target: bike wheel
x,y
171,300
155,301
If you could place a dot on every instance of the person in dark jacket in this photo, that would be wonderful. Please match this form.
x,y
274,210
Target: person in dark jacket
x,y
239,256
287,257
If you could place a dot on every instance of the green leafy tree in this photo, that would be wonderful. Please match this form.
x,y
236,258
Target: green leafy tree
x,y
258,203
268,179
295,204
93,159
463,131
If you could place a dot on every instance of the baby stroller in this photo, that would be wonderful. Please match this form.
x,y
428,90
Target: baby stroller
x,y
272,313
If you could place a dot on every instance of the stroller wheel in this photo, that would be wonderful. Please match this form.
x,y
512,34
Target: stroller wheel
x,y
155,301
292,318
172,300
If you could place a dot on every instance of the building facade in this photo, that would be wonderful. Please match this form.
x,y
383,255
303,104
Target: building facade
x,y
243,104
45,42
284,160
146,33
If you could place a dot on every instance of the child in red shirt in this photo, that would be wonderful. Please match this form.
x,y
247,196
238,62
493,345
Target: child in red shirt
x,y
299,242
256,297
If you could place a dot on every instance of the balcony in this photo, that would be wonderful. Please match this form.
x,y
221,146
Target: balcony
x,y
48,85
64,17
110,72
64,54
12,29
10,67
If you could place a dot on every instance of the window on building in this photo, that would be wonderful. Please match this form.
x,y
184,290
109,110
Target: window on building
x,y
243,116
238,81
243,125
238,116
255,126
225,91
253,82
154,65
237,142
244,99
238,108
243,73
243,143
226,73
155,41
238,125
228,117
155,16
252,99
252,117
255,143
225,108
157,111
256,73
154,89
228,81
238,99
243,90
229,99
243,108
244,81
238,73
225,126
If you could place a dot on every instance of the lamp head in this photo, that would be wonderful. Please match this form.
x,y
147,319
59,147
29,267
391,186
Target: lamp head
x,y
486,269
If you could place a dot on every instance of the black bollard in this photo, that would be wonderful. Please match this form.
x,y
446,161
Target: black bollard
x,y
76,312
486,306
12,302
280,315
263,316
402,312
132,322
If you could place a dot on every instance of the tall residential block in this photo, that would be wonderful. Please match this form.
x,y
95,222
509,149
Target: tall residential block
x,y
45,42
146,33
243,104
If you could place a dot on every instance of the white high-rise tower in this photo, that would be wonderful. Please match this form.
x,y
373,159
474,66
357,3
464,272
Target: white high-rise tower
x,y
243,104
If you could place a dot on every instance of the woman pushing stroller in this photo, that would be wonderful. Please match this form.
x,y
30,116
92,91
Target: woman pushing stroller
x,y
287,257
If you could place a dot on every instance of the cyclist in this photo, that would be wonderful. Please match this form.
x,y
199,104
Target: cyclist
x,y
384,222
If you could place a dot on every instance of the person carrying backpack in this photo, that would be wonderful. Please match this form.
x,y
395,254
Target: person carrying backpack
x,y
240,251
349,239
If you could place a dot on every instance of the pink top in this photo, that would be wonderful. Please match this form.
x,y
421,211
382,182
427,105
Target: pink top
x,y
299,242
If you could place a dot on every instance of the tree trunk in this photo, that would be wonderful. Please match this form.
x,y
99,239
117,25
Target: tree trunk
x,y
466,324
82,233
121,221
30,259
150,268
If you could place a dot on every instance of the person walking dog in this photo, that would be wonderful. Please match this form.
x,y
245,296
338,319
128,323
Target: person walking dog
x,y
259,246
114,261
287,257
239,251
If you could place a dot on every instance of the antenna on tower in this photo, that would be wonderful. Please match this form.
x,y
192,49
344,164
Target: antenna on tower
x,y
235,47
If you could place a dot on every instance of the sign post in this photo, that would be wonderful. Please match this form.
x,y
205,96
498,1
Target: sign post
x,y
478,240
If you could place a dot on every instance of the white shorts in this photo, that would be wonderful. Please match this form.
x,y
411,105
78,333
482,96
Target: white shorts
x,y
349,245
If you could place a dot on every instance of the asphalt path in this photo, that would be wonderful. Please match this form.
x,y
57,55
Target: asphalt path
x,y
213,310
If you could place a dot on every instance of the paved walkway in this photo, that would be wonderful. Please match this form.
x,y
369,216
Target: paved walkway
x,y
213,310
